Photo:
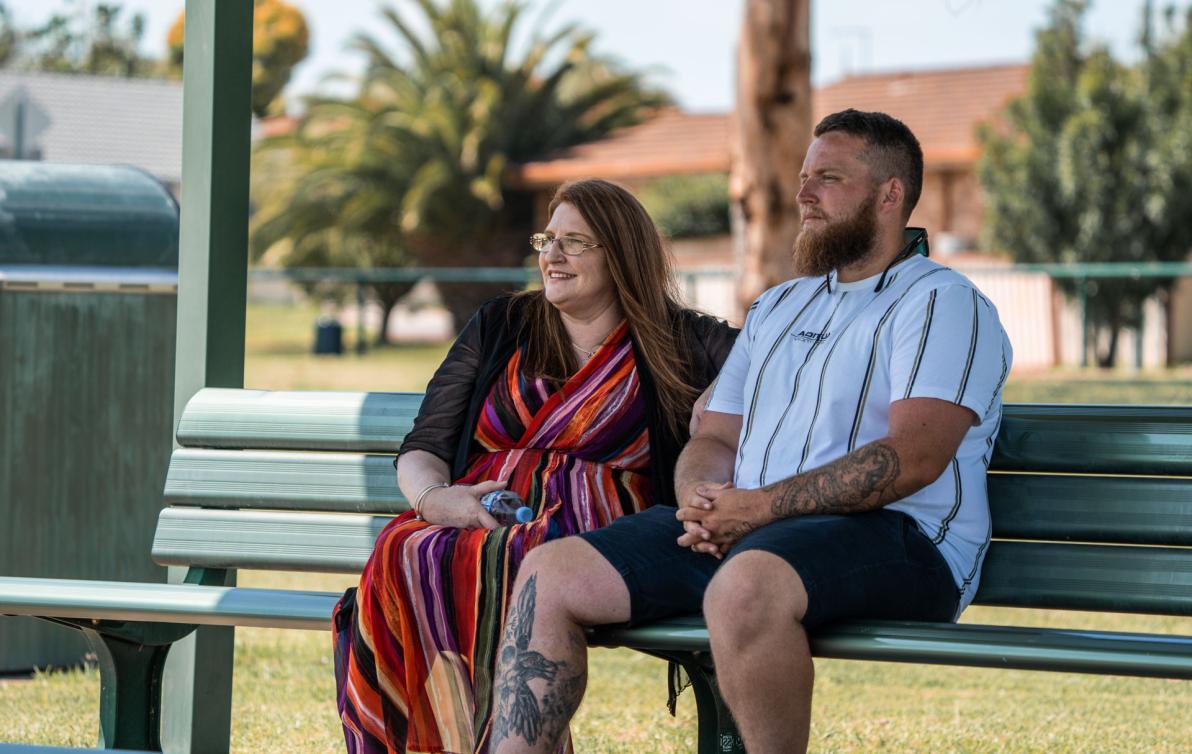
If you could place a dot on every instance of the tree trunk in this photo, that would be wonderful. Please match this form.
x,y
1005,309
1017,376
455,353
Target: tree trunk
x,y
771,134
388,294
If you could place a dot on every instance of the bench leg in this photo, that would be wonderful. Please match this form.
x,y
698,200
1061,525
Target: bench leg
x,y
129,692
197,705
717,729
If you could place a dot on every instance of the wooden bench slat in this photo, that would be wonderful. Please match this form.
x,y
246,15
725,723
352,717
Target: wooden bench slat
x,y
1095,439
985,646
345,482
35,749
1024,574
1034,437
1109,578
1073,651
329,543
1133,510
1140,510
297,420
167,603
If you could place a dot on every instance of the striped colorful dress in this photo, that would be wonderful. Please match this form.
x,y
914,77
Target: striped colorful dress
x,y
416,645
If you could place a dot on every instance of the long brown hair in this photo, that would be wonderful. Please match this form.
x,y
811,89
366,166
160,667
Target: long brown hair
x,y
645,286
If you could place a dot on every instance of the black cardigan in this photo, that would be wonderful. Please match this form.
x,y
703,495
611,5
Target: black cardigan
x,y
457,391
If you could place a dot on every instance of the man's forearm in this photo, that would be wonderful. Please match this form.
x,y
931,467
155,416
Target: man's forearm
x,y
704,459
868,478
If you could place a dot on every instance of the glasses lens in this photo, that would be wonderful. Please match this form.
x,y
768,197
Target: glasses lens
x,y
571,246
540,241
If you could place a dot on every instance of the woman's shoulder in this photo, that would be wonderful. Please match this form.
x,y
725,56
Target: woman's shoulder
x,y
501,310
702,324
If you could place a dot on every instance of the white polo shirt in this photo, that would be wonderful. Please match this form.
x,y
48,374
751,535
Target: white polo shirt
x,y
818,363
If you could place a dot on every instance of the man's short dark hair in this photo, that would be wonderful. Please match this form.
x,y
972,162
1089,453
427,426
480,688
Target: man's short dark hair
x,y
892,149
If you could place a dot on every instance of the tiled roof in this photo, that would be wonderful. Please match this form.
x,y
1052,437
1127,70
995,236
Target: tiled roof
x,y
942,107
671,143
104,120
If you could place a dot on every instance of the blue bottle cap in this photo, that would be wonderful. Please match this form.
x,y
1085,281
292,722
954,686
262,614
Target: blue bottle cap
x,y
524,515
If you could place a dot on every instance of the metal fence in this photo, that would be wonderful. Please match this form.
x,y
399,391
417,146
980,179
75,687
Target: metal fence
x,y
1046,327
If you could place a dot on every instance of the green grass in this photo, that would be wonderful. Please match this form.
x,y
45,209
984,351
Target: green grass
x,y
283,687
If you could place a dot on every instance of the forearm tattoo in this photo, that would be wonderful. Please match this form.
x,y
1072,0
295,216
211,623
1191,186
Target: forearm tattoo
x,y
518,712
860,481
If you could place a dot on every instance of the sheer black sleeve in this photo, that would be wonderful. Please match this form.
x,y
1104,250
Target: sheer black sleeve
x,y
710,340
444,410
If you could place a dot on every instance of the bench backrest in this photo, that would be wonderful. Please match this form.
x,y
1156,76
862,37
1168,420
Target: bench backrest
x,y
1091,505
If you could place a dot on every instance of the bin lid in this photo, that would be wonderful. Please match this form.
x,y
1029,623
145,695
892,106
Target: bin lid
x,y
45,278
85,216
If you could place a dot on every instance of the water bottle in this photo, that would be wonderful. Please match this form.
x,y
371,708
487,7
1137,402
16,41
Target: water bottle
x,y
507,508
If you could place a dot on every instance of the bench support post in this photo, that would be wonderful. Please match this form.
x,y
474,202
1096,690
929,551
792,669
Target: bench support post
x,y
717,729
129,692
197,707
212,275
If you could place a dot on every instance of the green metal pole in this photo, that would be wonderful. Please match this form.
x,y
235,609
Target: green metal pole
x,y
1084,322
212,275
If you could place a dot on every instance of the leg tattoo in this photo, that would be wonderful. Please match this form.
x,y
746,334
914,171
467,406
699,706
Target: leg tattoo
x,y
518,711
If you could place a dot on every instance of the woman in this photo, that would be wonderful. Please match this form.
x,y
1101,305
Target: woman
x,y
575,397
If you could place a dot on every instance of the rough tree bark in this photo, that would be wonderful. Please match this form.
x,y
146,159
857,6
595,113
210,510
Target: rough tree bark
x,y
771,134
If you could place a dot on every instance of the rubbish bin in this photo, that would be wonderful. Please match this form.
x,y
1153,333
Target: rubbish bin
x,y
329,336
88,293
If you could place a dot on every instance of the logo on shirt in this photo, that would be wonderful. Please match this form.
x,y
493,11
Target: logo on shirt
x,y
811,337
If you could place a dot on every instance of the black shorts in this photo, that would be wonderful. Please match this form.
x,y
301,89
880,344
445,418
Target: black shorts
x,y
868,565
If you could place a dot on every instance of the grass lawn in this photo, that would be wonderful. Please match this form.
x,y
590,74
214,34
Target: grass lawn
x,y
283,679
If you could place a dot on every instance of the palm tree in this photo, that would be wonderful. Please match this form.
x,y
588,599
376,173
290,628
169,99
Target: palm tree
x,y
411,169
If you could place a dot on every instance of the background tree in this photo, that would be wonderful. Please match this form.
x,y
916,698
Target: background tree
x,y
414,165
687,206
8,37
94,43
1094,164
280,41
773,129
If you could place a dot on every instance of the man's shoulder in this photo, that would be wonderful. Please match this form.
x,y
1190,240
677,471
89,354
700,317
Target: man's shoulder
x,y
927,275
788,290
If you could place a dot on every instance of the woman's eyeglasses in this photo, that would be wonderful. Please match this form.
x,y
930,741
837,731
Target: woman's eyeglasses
x,y
572,247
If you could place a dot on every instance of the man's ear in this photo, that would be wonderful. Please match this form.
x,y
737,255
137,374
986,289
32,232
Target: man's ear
x,y
892,194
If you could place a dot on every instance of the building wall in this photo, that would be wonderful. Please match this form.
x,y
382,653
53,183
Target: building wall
x,y
950,207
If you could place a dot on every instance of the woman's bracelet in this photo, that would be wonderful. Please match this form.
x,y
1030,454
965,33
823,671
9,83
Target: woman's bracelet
x,y
422,495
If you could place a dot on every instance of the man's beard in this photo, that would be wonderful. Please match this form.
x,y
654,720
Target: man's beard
x,y
838,244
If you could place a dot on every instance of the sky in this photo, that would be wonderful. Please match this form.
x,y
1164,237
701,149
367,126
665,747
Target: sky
x,y
688,46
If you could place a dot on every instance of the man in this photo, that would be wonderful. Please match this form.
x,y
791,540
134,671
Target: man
x,y
838,471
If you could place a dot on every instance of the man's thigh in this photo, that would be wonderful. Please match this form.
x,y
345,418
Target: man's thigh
x,y
869,565
663,578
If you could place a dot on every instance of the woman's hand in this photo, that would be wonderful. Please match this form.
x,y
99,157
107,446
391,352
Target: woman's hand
x,y
459,506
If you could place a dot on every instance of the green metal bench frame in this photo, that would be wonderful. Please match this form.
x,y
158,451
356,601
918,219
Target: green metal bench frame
x,y
1092,510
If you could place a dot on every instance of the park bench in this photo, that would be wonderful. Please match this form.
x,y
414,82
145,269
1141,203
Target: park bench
x,y
1092,510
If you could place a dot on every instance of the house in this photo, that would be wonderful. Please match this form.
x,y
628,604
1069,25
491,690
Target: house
x,y
59,117
942,107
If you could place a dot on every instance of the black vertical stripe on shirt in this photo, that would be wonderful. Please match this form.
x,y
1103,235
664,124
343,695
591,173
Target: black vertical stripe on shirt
x,y
1000,380
972,574
910,385
867,382
819,396
943,532
795,390
968,366
864,396
747,430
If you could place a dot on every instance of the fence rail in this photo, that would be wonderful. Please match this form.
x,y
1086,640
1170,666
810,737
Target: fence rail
x,y
713,289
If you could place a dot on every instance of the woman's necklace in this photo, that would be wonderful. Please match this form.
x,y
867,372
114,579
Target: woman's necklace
x,y
587,354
